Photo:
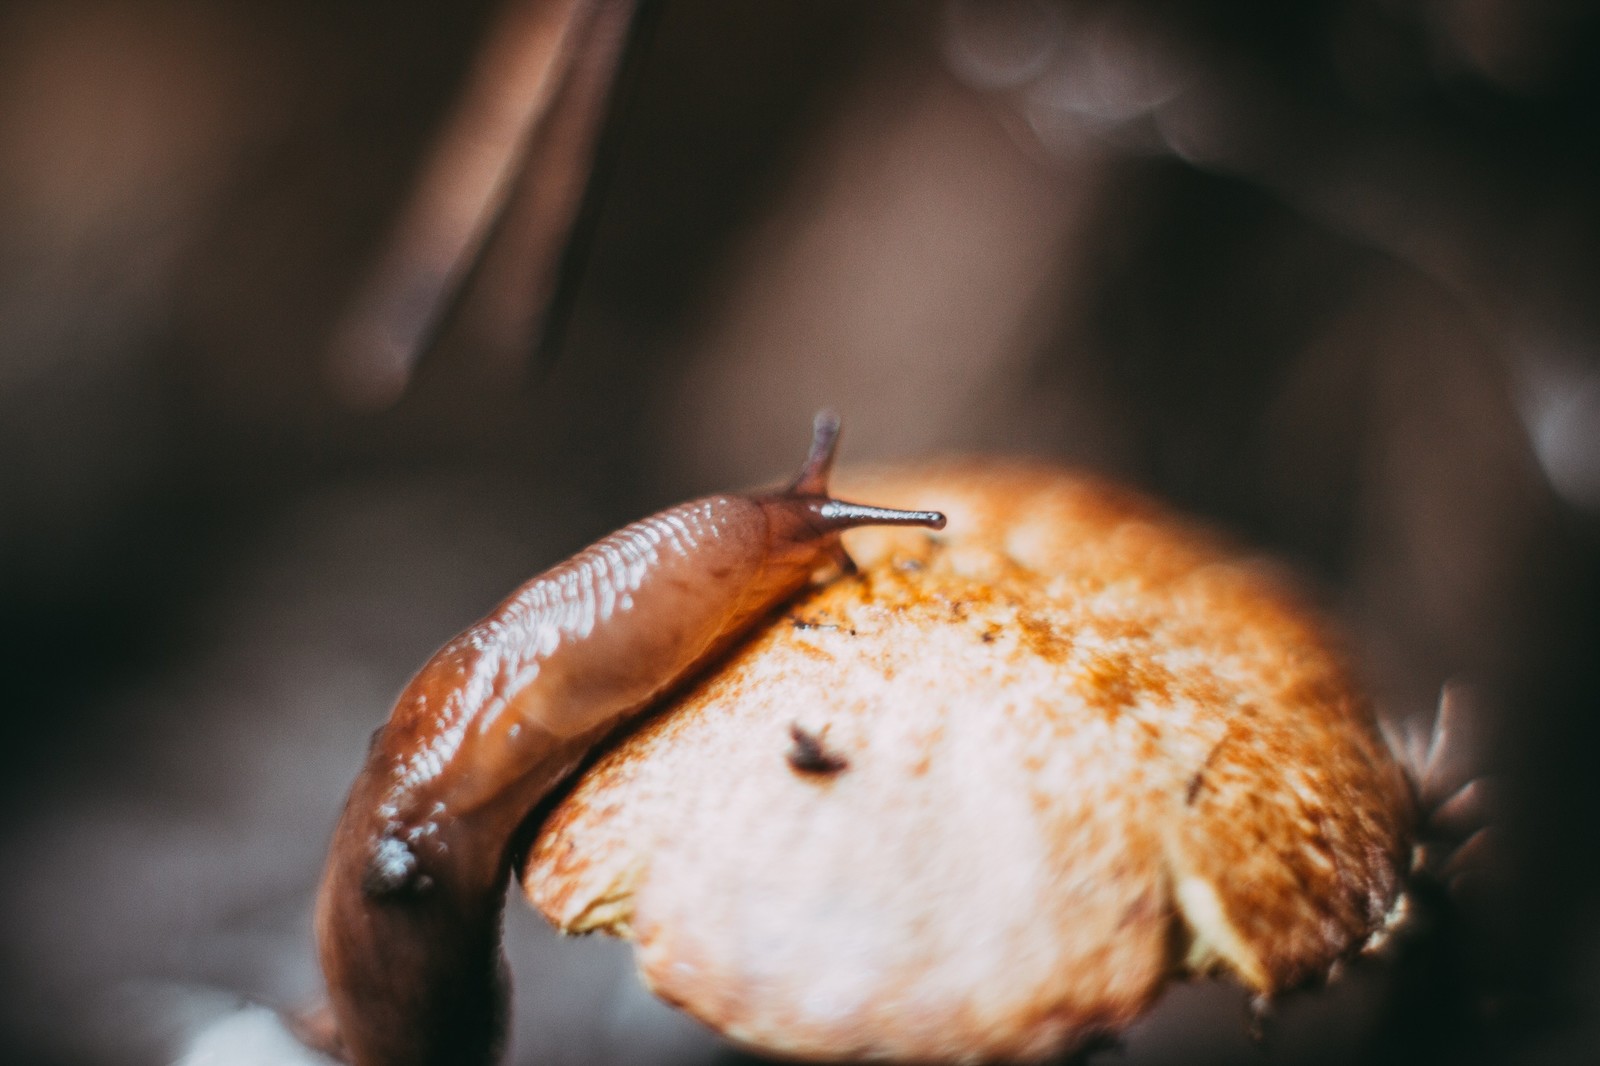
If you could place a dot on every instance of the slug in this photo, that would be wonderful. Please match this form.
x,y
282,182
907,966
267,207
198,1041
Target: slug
x,y
409,911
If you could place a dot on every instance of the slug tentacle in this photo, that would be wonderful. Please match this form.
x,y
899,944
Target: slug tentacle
x,y
812,480
408,915
839,515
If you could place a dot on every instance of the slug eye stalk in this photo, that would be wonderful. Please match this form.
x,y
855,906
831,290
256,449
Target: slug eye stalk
x,y
812,480
840,515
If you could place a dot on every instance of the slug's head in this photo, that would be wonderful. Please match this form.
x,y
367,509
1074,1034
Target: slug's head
x,y
804,522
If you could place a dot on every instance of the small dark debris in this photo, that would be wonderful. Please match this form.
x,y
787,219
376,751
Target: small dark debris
x,y
1199,777
808,756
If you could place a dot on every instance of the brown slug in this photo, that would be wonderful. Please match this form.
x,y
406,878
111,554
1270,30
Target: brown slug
x,y
409,911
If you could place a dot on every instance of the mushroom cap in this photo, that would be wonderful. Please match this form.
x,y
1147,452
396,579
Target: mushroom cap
x,y
984,797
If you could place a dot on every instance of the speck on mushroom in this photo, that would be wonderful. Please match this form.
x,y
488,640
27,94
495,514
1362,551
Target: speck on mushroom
x,y
809,756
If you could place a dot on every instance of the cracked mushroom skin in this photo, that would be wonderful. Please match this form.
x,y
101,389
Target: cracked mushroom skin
x,y
983,798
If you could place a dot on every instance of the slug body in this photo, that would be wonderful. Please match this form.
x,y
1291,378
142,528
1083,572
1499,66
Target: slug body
x,y
408,915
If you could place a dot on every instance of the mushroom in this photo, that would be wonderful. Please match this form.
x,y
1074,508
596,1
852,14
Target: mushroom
x,y
984,797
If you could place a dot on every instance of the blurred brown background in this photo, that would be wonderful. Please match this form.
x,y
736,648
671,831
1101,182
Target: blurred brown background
x,y
1322,272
